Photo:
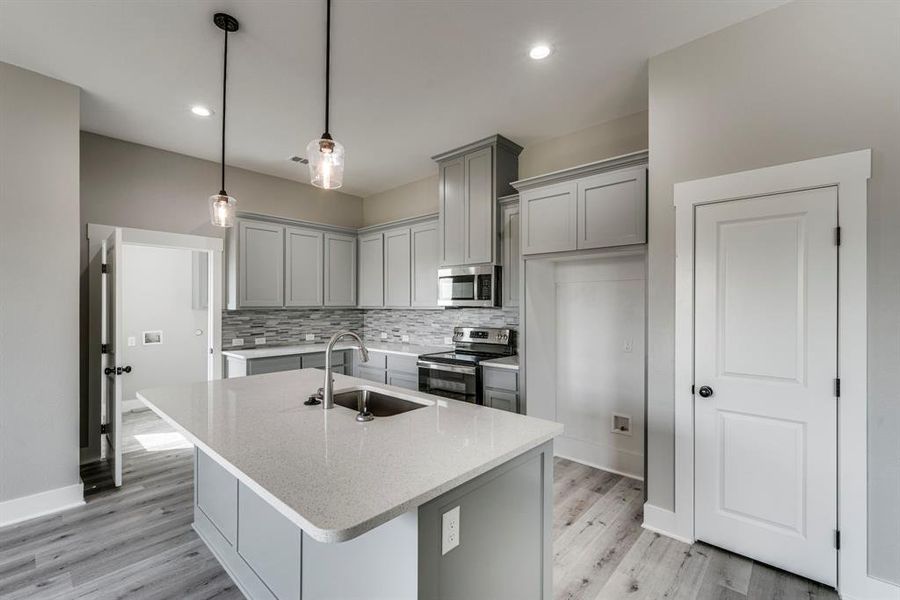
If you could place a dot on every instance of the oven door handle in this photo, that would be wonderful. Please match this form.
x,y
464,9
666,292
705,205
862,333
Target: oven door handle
x,y
424,364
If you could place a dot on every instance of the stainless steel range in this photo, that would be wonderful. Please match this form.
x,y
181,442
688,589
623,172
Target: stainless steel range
x,y
456,374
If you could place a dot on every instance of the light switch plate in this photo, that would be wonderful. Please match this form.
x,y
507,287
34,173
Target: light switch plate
x,y
404,338
310,337
237,341
449,530
259,341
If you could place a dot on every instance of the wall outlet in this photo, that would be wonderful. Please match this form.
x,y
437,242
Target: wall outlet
x,y
259,341
404,338
628,346
384,335
132,341
448,341
450,530
310,337
237,341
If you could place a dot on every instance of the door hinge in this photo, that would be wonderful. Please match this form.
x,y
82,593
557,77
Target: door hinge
x,y
104,348
837,387
837,236
692,390
104,268
837,539
104,428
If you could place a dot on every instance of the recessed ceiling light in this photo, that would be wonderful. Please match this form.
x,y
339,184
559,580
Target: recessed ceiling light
x,y
540,51
201,111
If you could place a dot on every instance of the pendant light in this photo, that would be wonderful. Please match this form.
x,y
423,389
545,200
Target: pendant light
x,y
325,155
222,206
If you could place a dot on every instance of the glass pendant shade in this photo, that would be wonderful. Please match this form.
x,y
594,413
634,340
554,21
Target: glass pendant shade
x,y
222,209
326,163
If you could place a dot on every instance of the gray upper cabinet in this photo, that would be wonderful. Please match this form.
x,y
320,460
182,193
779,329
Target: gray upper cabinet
x,y
260,264
470,179
424,255
397,269
340,269
548,218
451,204
304,267
598,205
479,207
612,209
371,268
509,252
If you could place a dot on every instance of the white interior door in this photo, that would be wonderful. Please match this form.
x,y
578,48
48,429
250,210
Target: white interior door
x,y
765,363
112,361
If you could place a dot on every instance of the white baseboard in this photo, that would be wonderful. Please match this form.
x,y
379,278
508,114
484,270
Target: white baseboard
x,y
662,521
40,504
133,405
601,467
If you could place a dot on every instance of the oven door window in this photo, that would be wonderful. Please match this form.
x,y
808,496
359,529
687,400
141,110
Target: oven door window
x,y
458,386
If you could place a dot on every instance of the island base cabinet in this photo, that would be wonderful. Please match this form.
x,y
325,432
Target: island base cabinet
x,y
505,544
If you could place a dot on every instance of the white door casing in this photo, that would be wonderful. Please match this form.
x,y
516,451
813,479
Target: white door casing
x,y
766,345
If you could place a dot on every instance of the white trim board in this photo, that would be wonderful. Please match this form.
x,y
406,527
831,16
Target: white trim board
x,y
40,504
849,172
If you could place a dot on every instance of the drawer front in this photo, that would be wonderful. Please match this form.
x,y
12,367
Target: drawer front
x,y
501,400
401,362
377,360
370,374
317,359
217,496
273,364
502,379
403,380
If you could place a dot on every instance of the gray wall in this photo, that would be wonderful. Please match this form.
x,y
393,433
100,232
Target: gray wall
x,y
801,81
612,138
39,120
130,185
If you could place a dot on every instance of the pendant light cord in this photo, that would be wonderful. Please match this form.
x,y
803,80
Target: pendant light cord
x,y
224,100
327,61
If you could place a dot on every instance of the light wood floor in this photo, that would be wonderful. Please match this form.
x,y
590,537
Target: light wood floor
x,y
137,542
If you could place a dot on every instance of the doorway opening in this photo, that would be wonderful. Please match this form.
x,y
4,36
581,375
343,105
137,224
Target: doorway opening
x,y
155,320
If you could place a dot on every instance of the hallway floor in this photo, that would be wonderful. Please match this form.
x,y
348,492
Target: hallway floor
x,y
136,542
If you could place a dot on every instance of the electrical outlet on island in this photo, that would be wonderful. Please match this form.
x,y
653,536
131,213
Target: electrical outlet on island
x,y
449,530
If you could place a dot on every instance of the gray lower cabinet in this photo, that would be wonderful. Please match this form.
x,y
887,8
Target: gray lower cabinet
x,y
404,380
393,369
239,367
500,388
217,496
373,374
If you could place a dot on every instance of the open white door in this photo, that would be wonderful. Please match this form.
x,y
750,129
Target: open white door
x,y
765,367
111,350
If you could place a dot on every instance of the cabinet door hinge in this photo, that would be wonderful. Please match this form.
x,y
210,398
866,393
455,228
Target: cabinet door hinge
x,y
692,390
837,387
104,428
837,236
104,268
837,539
104,348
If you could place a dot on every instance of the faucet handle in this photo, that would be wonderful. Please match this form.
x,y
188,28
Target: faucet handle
x,y
315,398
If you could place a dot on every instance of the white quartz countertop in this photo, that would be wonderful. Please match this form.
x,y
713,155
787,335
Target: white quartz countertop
x,y
334,477
507,362
391,348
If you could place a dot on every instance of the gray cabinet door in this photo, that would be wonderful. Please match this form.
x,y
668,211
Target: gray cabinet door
x,y
397,269
261,264
451,199
479,207
217,496
371,374
548,218
304,267
403,380
273,364
340,269
510,254
612,209
502,400
424,243
371,270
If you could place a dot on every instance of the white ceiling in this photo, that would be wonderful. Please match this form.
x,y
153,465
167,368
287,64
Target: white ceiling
x,y
409,78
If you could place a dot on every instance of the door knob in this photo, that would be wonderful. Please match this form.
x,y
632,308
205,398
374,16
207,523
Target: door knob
x,y
108,371
127,369
705,391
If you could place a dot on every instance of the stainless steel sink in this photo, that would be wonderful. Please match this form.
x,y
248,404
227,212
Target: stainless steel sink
x,y
377,404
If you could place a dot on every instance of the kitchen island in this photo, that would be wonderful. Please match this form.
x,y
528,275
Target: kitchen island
x,y
299,502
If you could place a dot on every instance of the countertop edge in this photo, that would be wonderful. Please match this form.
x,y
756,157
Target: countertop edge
x,y
297,349
348,533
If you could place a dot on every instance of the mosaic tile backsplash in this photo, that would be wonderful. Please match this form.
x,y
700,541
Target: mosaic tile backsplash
x,y
425,327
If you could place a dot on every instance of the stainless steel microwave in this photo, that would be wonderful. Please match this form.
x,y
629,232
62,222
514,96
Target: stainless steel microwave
x,y
469,286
